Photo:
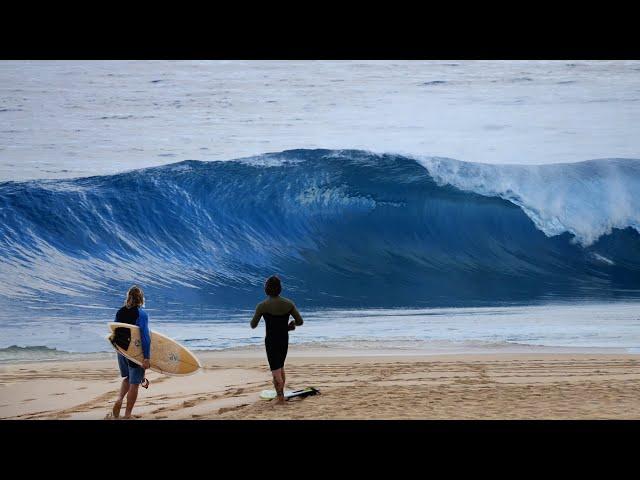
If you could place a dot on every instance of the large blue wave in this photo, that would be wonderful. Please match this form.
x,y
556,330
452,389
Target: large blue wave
x,y
342,228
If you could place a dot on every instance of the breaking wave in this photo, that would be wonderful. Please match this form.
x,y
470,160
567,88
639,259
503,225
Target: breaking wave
x,y
342,228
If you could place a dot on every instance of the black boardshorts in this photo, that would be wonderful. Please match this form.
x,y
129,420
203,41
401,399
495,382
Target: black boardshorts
x,y
277,349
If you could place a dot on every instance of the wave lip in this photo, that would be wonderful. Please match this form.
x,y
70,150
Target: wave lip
x,y
586,199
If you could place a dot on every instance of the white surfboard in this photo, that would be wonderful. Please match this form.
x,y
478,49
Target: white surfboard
x,y
167,355
304,392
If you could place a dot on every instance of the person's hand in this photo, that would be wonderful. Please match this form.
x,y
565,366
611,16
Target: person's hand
x,y
292,325
146,364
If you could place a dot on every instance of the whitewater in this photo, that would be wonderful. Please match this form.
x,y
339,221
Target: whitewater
x,y
450,205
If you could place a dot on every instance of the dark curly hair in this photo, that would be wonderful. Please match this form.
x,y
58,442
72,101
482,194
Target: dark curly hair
x,y
272,286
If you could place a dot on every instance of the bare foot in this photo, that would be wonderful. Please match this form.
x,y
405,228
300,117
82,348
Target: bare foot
x,y
280,400
116,409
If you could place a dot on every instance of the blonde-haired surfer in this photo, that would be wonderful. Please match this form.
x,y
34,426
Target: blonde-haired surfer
x,y
133,374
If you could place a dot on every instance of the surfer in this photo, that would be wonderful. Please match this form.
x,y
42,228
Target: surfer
x,y
132,373
276,311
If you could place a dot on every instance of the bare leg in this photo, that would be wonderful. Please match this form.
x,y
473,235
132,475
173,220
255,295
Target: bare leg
x,y
284,379
279,385
124,388
132,396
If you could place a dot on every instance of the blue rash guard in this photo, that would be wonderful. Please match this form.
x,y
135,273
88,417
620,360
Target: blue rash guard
x,y
137,316
145,336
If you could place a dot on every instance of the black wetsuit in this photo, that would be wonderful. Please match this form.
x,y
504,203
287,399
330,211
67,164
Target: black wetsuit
x,y
276,312
131,316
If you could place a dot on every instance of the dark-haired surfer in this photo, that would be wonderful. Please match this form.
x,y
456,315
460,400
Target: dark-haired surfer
x,y
276,311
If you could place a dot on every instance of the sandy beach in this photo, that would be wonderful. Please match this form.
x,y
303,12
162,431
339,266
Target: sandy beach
x,y
353,385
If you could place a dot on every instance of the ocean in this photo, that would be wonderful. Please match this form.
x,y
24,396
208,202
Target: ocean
x,y
440,206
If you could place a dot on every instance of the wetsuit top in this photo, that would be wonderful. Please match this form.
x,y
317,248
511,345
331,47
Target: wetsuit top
x,y
137,316
276,311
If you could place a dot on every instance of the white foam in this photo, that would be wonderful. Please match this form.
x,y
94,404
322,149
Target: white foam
x,y
587,199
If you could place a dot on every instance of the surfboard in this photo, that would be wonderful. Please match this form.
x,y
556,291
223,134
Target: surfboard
x,y
167,355
304,392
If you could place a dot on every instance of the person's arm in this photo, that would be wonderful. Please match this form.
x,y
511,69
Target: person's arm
x,y
296,316
256,317
145,335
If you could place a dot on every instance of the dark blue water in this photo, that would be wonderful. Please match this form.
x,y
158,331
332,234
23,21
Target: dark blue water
x,y
353,230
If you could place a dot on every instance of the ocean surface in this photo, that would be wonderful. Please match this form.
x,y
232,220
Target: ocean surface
x,y
61,119
443,206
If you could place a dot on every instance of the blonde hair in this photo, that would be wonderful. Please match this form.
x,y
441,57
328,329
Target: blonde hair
x,y
135,297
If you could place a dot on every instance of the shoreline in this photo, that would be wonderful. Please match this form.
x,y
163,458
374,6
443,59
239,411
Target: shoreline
x,y
353,384
323,350
330,349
